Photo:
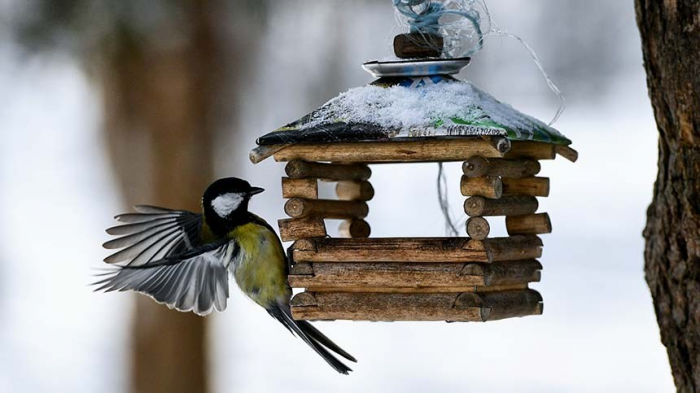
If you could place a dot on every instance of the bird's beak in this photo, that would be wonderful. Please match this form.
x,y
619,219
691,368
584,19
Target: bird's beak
x,y
255,190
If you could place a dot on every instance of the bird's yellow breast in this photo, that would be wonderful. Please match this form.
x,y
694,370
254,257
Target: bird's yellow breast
x,y
260,268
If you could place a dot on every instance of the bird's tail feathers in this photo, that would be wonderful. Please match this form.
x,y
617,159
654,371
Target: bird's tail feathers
x,y
321,338
314,338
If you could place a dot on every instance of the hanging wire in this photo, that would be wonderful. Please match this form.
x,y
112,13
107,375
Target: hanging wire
x,y
496,30
450,226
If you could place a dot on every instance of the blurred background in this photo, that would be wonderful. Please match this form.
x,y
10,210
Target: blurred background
x,y
104,104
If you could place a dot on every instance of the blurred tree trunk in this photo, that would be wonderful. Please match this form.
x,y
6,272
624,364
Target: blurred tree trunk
x,y
159,102
671,44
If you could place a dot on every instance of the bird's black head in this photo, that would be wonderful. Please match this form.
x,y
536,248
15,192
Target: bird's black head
x,y
226,200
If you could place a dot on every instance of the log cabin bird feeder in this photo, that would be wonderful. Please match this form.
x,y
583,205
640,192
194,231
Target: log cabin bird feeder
x,y
414,112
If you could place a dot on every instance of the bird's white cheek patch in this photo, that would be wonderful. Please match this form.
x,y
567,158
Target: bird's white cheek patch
x,y
224,204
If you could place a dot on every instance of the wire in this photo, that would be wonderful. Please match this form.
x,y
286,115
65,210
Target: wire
x,y
450,226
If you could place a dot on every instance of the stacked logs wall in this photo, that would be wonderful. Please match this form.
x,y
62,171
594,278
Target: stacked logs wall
x,y
504,187
308,212
456,279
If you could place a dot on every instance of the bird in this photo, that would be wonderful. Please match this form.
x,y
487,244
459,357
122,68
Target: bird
x,y
184,260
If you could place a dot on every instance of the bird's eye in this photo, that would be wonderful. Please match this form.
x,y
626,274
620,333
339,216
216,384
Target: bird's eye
x,y
225,204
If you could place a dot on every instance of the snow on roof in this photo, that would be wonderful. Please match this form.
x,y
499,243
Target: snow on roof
x,y
425,108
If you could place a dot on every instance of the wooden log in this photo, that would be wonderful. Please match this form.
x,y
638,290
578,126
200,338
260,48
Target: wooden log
x,y
299,188
532,186
501,305
341,275
487,187
387,274
500,143
300,269
478,228
436,250
567,152
354,190
355,228
454,307
514,248
420,290
531,150
533,224
419,150
260,153
505,273
514,205
388,250
381,307
301,228
299,207
501,288
298,169
480,167
417,45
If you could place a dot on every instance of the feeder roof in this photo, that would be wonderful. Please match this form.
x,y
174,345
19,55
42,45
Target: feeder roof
x,y
437,106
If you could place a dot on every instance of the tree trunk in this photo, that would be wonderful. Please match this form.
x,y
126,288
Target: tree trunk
x,y
670,32
159,125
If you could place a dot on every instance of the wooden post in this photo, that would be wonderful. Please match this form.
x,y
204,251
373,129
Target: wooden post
x,y
501,305
297,169
356,228
298,208
480,167
533,224
301,269
388,250
514,248
515,205
417,45
380,307
301,228
500,143
453,289
478,228
567,152
487,187
354,190
532,150
455,307
452,249
505,273
532,186
299,188
425,150
260,153
341,275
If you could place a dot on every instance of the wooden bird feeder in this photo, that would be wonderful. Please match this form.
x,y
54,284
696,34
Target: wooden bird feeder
x,y
358,277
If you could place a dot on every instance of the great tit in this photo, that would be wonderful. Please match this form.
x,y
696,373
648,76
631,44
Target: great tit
x,y
183,260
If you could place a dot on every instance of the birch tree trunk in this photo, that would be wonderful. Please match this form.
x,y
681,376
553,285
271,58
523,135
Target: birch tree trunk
x,y
670,31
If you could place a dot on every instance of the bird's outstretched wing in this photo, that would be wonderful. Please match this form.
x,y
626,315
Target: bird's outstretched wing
x,y
152,234
195,281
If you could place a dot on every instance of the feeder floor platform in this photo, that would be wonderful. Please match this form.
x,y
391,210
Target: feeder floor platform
x,y
436,250
451,307
411,277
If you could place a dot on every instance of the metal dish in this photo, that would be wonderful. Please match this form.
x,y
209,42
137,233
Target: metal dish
x,y
427,67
